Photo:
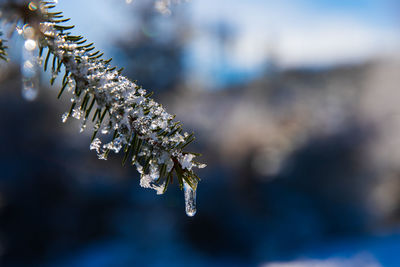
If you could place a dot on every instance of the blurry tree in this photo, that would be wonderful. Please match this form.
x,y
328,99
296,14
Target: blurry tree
x,y
153,52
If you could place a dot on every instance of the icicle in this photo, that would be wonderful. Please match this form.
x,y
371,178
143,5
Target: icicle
x,y
190,199
29,70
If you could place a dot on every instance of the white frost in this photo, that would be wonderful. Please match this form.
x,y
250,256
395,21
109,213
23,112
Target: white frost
x,y
95,145
186,161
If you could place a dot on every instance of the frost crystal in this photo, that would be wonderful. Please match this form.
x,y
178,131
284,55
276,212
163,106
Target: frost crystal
x,y
77,114
186,161
64,117
149,180
95,145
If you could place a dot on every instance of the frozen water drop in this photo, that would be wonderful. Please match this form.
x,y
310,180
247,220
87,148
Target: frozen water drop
x,y
190,199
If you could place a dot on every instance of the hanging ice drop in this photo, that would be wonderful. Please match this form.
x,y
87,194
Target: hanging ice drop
x,y
190,199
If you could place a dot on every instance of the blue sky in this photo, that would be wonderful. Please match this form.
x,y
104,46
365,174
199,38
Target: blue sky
x,y
297,32
306,32
381,12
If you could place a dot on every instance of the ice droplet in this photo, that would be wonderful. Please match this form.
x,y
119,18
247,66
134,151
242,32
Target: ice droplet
x,y
190,199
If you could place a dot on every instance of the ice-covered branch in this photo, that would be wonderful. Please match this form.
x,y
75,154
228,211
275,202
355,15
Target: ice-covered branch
x,y
149,137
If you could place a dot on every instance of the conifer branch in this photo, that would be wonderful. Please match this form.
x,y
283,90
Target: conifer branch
x,y
146,134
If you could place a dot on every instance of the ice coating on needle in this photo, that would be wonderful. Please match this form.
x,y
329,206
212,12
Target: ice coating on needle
x,y
190,200
131,114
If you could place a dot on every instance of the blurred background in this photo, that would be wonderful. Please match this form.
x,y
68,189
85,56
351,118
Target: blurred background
x,y
295,109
